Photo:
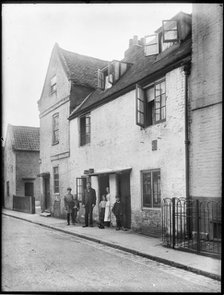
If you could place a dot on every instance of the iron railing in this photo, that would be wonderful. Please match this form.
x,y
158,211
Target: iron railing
x,y
193,225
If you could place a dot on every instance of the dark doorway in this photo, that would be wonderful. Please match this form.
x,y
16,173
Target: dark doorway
x,y
29,191
123,181
46,192
103,183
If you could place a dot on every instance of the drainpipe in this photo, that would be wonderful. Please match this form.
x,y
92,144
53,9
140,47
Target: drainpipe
x,y
187,142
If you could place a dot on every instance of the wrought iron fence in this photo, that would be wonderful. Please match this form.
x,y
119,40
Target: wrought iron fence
x,y
193,225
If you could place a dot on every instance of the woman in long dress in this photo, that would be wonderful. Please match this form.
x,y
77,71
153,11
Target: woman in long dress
x,y
107,216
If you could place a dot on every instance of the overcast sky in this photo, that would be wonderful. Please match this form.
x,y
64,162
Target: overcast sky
x,y
30,31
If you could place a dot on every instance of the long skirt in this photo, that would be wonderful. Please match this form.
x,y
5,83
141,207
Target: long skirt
x,y
107,214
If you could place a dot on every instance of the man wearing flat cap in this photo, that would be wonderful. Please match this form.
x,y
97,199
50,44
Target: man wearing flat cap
x,y
69,204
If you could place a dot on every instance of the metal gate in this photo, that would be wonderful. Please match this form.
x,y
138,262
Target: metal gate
x,y
193,225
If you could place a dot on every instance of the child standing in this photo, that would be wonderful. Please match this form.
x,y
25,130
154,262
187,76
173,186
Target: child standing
x,y
107,215
117,210
102,206
75,208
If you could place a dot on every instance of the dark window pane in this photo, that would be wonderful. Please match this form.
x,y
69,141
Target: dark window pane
x,y
147,190
156,189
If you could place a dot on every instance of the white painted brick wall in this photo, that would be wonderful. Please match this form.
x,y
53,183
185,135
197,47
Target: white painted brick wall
x,y
117,142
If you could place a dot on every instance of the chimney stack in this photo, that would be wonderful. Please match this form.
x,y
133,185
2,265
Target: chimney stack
x,y
130,42
135,40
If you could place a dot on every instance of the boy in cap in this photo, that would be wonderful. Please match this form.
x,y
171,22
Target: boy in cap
x,y
117,210
69,204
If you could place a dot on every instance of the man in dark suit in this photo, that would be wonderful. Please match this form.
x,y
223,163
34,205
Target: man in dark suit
x,y
89,201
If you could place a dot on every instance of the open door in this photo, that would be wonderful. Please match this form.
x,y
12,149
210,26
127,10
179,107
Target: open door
x,y
103,184
124,193
46,192
29,191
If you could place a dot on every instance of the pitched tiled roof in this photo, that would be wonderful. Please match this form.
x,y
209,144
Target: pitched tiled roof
x,y
143,66
81,69
25,138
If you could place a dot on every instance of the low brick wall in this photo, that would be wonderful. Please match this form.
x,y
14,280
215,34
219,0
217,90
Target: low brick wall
x,y
148,222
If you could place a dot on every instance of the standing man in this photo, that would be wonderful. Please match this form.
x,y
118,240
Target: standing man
x,y
89,201
69,204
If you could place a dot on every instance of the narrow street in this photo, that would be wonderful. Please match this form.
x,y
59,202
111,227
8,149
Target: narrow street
x,y
35,258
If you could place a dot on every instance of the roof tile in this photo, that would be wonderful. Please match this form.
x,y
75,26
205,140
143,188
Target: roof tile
x,y
25,138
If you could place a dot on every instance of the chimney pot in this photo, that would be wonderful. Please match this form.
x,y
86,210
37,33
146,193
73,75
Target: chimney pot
x,y
130,42
135,40
142,41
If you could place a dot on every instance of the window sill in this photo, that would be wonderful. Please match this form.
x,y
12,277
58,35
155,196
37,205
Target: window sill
x,y
156,123
83,145
55,143
150,208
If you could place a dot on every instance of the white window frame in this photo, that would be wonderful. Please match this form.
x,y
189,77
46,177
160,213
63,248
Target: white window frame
x,y
53,84
84,138
56,187
55,128
151,171
148,45
168,30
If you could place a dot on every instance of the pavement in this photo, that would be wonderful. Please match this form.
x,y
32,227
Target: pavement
x,y
131,242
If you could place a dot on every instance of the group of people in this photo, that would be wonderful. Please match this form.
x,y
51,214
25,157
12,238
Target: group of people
x,y
89,201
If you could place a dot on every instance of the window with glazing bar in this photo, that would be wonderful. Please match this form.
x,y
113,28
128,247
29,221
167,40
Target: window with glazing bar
x,y
56,179
55,129
85,125
151,194
151,104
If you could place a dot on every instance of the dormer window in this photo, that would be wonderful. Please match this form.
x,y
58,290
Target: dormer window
x,y
111,74
170,32
151,44
53,84
104,79
168,36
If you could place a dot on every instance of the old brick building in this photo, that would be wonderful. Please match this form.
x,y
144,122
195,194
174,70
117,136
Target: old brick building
x,y
206,101
21,163
125,127
70,78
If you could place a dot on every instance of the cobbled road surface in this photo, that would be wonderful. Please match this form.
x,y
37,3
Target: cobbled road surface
x,y
35,258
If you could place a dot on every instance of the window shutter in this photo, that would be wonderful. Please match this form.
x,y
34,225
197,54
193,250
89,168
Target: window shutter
x,y
123,68
151,44
116,70
140,106
111,73
170,32
100,79
53,81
